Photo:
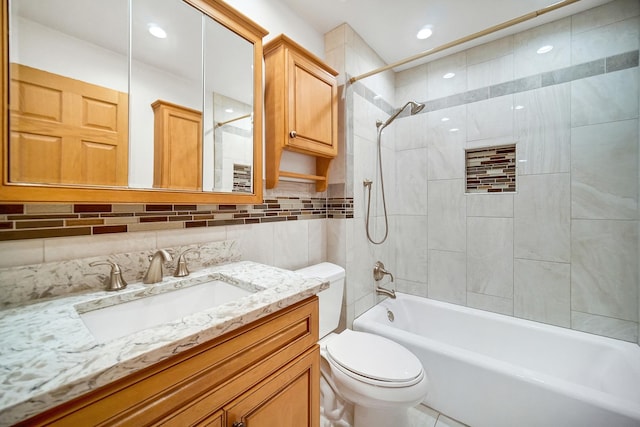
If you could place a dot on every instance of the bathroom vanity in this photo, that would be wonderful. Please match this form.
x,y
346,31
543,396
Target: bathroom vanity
x,y
251,361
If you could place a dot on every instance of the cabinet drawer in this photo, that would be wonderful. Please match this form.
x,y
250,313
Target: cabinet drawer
x,y
223,367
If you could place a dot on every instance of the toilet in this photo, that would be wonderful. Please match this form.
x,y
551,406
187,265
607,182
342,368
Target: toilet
x,y
379,377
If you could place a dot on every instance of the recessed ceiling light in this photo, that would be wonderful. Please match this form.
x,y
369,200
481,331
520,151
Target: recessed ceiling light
x,y
445,119
157,31
448,75
425,32
519,107
229,110
454,130
545,49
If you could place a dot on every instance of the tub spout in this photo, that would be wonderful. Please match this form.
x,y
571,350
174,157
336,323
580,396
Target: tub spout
x,y
388,292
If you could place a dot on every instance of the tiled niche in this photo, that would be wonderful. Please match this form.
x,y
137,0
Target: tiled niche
x,y
491,169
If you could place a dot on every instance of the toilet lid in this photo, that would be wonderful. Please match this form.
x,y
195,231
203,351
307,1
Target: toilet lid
x,y
374,357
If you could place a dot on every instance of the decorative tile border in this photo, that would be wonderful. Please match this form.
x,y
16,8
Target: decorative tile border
x,y
605,65
491,169
37,221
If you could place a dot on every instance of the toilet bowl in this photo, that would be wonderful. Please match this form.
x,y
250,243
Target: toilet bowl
x,y
381,378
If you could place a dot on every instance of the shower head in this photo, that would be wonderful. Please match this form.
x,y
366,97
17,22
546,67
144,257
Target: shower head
x,y
415,109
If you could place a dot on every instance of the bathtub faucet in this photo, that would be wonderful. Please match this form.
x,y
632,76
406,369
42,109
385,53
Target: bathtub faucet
x,y
378,273
388,292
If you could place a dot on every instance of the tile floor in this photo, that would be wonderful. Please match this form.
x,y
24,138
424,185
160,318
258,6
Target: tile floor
x,y
423,416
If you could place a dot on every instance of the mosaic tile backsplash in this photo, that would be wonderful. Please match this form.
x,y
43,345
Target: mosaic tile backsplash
x,y
491,170
37,221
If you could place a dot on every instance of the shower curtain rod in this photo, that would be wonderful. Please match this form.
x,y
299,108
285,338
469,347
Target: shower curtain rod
x,y
220,124
465,39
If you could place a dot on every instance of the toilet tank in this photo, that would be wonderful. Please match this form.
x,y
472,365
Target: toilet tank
x,y
330,300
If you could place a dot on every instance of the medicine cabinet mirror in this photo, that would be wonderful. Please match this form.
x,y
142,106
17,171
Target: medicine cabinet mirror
x,y
131,101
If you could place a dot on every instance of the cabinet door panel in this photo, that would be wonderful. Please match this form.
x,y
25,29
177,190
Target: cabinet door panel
x,y
289,398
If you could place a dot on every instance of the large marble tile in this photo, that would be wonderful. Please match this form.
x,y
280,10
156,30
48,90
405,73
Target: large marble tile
x,y
604,268
411,132
491,72
448,276
489,51
411,84
604,171
21,252
438,86
411,288
490,119
337,241
604,15
255,241
542,218
411,250
447,137
447,215
542,292
613,39
317,241
605,98
291,244
526,44
492,205
410,195
543,129
490,303
606,326
490,256
365,167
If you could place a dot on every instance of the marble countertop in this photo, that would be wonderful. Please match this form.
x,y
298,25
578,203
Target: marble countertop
x,y
48,356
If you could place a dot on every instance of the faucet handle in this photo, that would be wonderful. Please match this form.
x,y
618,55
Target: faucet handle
x,y
114,282
182,269
379,271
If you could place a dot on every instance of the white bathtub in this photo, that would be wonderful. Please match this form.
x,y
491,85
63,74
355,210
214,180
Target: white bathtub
x,y
490,370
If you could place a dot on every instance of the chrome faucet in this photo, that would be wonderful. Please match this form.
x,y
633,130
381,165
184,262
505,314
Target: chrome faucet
x,y
378,273
154,272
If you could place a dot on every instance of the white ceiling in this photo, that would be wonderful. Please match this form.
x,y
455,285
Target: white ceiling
x,y
390,27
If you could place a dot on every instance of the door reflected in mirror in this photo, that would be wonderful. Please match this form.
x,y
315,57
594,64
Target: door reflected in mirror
x,y
97,100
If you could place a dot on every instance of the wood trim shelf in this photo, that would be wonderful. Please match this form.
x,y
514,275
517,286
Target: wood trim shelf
x,y
302,176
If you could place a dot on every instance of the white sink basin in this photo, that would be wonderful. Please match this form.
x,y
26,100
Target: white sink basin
x,y
128,317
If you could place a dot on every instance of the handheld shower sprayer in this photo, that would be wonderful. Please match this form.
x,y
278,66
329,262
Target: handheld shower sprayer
x,y
415,109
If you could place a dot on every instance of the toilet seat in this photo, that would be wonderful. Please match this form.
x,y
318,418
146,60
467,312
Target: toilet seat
x,y
374,359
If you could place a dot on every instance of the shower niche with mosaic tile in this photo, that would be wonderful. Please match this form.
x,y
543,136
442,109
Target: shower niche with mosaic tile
x,y
491,169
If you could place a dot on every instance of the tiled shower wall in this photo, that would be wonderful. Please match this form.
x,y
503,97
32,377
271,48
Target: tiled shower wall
x,y
562,250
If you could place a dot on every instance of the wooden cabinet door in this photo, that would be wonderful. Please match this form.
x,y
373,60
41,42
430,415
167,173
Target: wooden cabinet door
x,y
66,131
289,398
177,147
312,111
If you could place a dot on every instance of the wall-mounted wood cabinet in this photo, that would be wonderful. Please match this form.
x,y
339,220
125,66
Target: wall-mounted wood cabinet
x,y
265,374
177,161
301,110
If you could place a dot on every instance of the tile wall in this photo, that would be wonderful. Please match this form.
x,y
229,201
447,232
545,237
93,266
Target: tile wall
x,y
288,230
562,249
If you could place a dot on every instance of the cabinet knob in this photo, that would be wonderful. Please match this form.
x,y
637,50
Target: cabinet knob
x,y
293,134
238,424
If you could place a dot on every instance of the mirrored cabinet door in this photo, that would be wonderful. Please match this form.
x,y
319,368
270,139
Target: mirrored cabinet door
x,y
122,96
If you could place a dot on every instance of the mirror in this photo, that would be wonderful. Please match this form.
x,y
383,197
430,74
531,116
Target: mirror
x,y
95,112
